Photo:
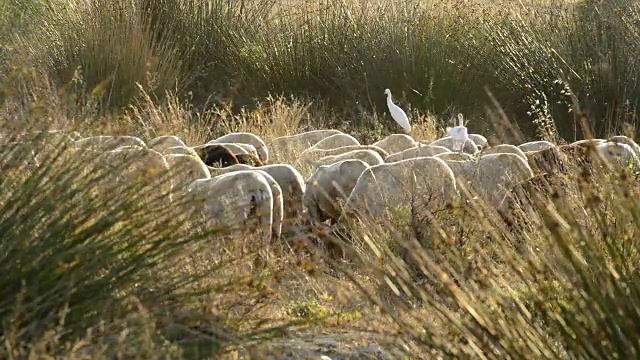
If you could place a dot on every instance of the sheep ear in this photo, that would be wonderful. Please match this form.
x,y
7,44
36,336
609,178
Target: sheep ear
x,y
460,119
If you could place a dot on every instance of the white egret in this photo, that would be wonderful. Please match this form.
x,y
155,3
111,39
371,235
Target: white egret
x,y
397,113
459,134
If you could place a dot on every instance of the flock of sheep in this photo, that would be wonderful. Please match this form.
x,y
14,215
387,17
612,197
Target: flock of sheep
x,y
238,180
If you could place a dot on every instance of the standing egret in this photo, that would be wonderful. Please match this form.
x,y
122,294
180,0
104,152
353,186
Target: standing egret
x,y
459,134
397,113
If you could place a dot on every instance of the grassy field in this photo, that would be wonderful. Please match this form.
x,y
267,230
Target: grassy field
x,y
123,277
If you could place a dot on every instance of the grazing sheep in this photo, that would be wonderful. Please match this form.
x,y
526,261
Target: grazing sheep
x,y
395,143
229,201
222,155
142,167
417,151
578,155
491,176
295,143
290,180
278,201
276,191
479,140
454,156
583,153
504,149
469,146
619,154
312,155
586,142
235,148
328,186
216,155
130,147
185,169
621,139
246,138
335,141
548,160
425,182
520,206
161,143
180,150
249,159
107,143
368,156
463,170
535,146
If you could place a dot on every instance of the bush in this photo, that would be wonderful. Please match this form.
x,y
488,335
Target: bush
x,y
110,46
438,58
565,60
72,258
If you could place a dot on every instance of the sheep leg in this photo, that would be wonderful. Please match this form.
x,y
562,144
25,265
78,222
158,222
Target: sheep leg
x,y
277,213
264,212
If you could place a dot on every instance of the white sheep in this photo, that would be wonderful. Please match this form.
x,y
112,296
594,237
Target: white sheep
x,y
276,191
504,149
463,170
546,161
226,154
368,156
107,143
619,154
587,142
535,145
395,143
424,182
291,144
185,169
584,152
230,201
328,186
246,138
335,141
491,176
161,143
130,147
179,150
312,155
520,206
469,146
454,156
479,140
236,148
621,139
291,183
417,151
139,167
